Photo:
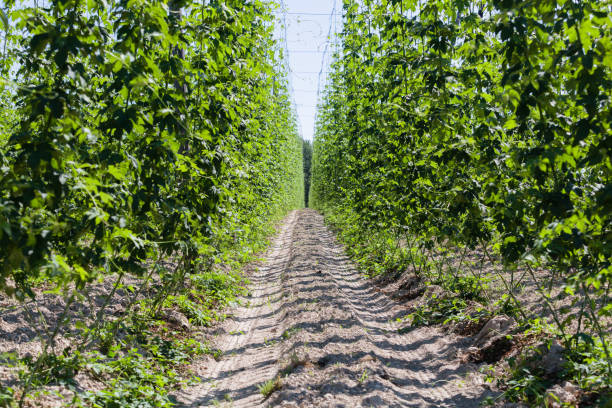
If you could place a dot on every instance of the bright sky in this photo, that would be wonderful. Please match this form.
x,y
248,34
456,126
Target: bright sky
x,y
308,25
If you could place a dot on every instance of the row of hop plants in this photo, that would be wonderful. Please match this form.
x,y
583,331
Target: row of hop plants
x,y
142,142
479,128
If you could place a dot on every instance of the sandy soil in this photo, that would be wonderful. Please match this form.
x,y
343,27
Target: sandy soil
x,y
330,336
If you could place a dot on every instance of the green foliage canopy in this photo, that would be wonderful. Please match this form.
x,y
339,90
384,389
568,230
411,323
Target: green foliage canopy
x,y
141,133
476,124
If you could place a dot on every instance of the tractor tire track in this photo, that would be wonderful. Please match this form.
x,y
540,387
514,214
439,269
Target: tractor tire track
x,y
330,337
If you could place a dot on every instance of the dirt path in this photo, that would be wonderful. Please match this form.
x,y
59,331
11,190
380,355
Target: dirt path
x,y
330,336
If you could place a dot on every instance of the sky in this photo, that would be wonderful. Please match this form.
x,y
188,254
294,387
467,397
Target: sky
x,y
308,26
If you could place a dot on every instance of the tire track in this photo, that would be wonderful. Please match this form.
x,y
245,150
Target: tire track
x,y
331,337
249,351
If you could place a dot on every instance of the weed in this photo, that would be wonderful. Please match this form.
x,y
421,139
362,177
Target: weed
x,y
7,397
267,388
294,362
467,287
488,402
52,369
489,373
132,379
585,365
442,310
290,332
364,376
526,385
217,354
505,305
192,308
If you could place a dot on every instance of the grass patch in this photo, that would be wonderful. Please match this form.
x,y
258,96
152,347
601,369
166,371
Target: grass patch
x,y
267,388
287,334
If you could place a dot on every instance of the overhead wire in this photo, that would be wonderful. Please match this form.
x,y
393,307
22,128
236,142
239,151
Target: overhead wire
x,y
329,35
288,63
333,24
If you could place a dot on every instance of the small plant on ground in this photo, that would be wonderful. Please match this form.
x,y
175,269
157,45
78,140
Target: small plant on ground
x,y
364,376
287,334
267,388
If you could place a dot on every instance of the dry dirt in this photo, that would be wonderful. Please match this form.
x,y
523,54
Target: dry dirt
x,y
330,337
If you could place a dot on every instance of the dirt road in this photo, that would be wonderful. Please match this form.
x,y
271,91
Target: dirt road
x,y
329,336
